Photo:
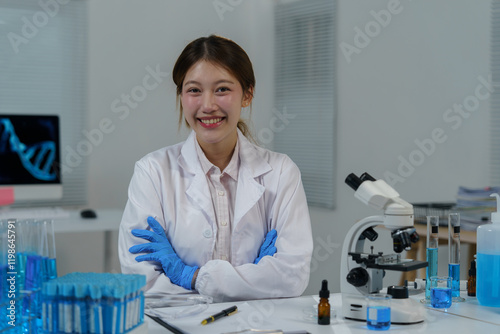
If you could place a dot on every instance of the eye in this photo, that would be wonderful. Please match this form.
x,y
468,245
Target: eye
x,y
193,90
223,90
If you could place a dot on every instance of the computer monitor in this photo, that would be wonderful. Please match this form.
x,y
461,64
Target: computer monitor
x,y
30,162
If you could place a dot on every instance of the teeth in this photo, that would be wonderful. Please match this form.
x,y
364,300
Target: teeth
x,y
211,121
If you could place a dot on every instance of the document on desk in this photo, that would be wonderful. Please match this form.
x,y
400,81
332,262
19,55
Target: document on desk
x,y
249,319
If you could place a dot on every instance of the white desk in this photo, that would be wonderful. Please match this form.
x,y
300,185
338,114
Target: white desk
x,y
107,221
288,315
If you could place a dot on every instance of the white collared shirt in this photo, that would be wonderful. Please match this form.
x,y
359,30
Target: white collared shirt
x,y
223,192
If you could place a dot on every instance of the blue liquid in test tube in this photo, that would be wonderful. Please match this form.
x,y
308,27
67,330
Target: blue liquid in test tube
x,y
454,273
378,317
34,283
454,255
21,259
50,268
432,253
432,269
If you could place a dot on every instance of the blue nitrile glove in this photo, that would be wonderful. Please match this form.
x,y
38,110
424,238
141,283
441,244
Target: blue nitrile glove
x,y
267,247
160,250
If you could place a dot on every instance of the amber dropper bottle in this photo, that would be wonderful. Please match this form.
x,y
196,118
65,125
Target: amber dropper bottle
x,y
324,304
471,283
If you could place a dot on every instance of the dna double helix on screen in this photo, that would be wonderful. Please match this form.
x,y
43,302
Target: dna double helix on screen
x,y
37,158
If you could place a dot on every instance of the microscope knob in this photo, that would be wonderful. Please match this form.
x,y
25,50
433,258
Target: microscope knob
x,y
398,292
358,277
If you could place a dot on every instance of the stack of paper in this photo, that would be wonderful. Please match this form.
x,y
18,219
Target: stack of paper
x,y
475,206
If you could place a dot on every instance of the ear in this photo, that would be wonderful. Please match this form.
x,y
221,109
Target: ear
x,y
247,98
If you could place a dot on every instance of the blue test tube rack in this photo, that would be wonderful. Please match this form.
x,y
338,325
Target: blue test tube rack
x,y
93,303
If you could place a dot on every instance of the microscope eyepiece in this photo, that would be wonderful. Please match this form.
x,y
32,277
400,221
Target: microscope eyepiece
x,y
370,234
353,181
367,177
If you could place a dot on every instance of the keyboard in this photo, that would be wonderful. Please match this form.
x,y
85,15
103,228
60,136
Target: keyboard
x,y
34,213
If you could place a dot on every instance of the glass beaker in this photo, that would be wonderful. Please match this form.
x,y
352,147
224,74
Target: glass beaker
x,y
441,287
378,311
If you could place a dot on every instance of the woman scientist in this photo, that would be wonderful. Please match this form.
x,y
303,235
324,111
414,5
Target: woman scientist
x,y
216,213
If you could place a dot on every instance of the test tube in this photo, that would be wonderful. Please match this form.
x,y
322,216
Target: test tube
x,y
431,252
22,238
454,255
34,271
48,250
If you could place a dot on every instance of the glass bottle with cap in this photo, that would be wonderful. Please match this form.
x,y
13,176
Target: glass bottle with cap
x,y
471,282
324,304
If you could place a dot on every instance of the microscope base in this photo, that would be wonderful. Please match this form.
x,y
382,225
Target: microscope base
x,y
403,311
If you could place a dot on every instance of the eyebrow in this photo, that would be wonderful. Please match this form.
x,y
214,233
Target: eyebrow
x,y
216,83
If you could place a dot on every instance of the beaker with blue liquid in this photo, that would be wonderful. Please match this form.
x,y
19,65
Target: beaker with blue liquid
x,y
441,291
378,311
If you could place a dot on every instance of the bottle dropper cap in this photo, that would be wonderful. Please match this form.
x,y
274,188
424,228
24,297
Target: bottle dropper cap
x,y
472,270
324,292
495,216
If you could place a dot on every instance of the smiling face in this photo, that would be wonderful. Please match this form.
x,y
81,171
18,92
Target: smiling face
x,y
211,100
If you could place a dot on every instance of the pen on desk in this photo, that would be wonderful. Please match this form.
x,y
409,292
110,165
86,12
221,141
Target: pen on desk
x,y
168,326
223,313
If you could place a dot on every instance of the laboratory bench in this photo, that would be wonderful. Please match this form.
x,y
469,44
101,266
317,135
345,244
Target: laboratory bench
x,y
293,314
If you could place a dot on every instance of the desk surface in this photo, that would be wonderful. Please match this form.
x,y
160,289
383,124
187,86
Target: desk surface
x,y
289,314
107,220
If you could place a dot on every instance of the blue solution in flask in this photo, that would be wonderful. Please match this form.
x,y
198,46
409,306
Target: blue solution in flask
x,y
378,318
488,269
441,297
454,273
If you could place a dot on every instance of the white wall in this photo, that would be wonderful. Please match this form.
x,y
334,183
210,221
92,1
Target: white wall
x,y
125,38
395,91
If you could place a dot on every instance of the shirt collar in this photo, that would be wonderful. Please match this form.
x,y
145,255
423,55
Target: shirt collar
x,y
208,167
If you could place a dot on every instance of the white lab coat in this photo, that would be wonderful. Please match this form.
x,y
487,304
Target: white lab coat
x,y
170,184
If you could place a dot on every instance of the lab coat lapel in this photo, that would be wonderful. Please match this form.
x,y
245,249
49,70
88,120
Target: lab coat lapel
x,y
249,190
198,189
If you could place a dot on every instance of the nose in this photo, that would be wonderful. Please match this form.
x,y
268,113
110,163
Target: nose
x,y
208,102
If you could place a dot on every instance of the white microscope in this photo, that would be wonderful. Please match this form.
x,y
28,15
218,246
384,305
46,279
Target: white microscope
x,y
362,273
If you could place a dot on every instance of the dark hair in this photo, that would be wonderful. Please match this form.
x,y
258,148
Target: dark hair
x,y
219,51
